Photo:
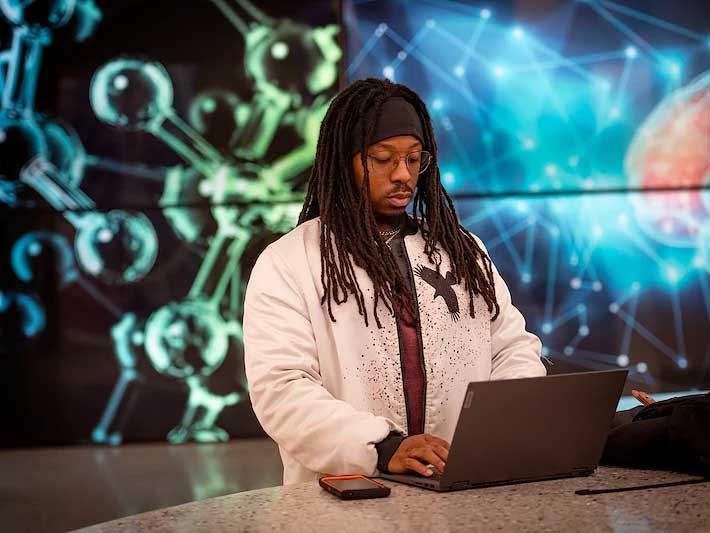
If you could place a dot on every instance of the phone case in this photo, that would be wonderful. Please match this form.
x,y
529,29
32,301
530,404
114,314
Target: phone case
x,y
378,490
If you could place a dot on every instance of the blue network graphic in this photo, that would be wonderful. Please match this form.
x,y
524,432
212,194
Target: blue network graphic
x,y
576,142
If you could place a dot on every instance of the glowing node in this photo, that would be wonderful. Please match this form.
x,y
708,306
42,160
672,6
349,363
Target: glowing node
x,y
614,112
388,72
568,351
635,286
526,278
521,207
603,85
642,367
551,169
430,23
449,178
575,283
518,33
583,331
381,29
459,71
498,71
673,69
34,249
545,351
402,55
279,50
622,360
597,231
597,286
437,103
486,14
631,52
120,82
581,308
672,274
528,143
547,327
682,362
574,260
614,307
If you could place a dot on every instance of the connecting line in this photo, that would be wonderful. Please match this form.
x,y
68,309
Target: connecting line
x,y
489,209
678,322
413,42
463,47
552,96
626,340
232,17
508,245
705,289
564,60
431,65
570,61
646,334
137,170
623,81
473,41
623,28
551,275
529,243
367,47
644,17
100,297
458,145
506,235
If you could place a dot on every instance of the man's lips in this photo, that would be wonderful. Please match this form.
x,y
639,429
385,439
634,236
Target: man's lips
x,y
400,199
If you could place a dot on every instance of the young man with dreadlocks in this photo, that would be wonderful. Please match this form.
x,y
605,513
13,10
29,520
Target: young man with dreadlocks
x,y
364,325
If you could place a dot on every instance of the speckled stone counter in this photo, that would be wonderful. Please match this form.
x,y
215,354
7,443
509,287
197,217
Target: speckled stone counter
x,y
547,505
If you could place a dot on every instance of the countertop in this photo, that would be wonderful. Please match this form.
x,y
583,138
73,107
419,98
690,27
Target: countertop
x,y
545,505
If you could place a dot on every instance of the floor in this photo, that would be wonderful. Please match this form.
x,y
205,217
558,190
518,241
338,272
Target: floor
x,y
59,489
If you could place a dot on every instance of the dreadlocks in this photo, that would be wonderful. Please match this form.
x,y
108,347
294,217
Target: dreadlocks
x,y
349,233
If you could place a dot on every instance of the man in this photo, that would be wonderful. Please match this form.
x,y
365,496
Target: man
x,y
363,326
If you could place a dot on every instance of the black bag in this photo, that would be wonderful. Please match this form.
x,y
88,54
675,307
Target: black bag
x,y
672,434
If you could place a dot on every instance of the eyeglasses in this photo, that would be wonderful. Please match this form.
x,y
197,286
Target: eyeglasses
x,y
383,163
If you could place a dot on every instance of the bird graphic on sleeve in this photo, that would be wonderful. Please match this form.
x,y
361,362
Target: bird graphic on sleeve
x,y
442,287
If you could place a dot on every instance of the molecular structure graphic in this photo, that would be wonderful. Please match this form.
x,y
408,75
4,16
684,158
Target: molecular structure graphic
x,y
293,69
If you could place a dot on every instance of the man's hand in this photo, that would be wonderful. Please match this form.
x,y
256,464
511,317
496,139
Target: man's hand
x,y
418,451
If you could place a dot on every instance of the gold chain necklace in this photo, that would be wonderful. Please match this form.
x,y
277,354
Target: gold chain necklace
x,y
389,235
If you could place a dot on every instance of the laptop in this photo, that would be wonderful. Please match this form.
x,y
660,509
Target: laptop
x,y
529,429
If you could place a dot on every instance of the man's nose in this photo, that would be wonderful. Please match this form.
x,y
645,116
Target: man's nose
x,y
401,172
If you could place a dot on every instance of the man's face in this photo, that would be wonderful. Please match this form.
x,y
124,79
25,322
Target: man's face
x,y
391,187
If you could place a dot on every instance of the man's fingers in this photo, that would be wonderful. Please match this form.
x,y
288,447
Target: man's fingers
x,y
412,464
642,397
439,441
441,452
428,456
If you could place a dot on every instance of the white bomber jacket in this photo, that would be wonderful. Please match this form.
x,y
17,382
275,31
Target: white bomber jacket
x,y
327,392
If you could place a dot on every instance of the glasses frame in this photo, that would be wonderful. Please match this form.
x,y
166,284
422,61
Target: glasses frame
x,y
399,157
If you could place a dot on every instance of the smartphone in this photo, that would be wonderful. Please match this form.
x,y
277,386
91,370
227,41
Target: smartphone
x,y
354,487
